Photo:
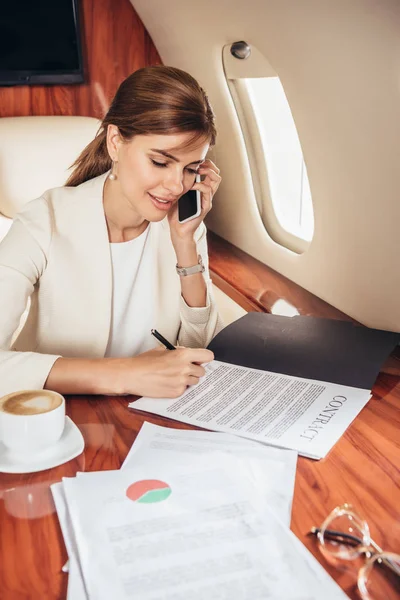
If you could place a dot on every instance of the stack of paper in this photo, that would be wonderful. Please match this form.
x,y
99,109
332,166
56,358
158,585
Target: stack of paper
x,y
188,517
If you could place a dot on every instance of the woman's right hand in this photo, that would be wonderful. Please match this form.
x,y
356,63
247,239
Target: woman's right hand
x,y
162,373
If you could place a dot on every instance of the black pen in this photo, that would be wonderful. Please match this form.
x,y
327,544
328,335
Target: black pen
x,y
162,339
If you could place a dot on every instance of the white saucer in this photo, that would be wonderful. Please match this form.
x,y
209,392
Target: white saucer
x,y
70,445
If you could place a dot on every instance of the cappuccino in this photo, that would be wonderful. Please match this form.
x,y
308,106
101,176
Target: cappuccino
x,y
31,421
30,403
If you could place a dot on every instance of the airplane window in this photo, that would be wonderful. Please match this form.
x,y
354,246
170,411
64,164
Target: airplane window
x,y
289,188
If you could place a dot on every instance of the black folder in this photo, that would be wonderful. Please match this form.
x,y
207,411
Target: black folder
x,y
310,347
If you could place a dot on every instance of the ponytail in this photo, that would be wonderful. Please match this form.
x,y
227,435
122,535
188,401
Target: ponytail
x,y
93,161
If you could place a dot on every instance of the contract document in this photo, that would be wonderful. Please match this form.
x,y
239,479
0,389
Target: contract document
x,y
272,470
305,415
187,533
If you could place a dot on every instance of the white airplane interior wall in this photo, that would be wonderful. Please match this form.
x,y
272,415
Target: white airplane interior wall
x,y
339,63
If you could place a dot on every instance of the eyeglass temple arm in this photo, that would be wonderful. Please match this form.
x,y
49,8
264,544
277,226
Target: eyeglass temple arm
x,y
346,537
338,535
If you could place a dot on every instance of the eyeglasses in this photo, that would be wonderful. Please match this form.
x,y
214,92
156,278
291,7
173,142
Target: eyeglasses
x,y
344,535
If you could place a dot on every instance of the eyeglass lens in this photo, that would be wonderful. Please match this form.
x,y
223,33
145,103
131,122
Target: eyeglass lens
x,y
344,534
379,579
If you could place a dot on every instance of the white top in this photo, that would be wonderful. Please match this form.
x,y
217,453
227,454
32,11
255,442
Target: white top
x,y
133,303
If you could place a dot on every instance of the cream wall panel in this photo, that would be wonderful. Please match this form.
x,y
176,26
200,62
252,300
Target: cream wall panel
x,y
227,308
339,63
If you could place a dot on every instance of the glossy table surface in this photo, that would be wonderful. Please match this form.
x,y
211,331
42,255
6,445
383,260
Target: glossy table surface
x,y
362,468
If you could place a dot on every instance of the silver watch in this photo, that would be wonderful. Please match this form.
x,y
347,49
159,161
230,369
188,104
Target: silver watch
x,y
199,268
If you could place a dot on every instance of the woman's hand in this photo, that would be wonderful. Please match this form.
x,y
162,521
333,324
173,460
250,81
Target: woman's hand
x,y
208,187
162,373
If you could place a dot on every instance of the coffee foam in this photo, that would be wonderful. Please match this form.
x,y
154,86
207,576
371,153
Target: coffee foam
x,y
30,403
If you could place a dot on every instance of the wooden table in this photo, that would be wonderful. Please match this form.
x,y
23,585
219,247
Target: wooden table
x,y
363,468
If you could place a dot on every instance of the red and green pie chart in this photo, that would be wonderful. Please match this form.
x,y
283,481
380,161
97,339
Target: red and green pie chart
x,y
148,491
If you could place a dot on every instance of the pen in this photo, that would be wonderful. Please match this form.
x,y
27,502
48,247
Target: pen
x,y
162,339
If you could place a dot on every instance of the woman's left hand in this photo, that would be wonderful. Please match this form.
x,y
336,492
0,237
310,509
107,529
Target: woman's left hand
x,y
208,187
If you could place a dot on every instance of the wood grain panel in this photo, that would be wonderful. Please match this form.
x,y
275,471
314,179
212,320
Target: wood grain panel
x,y
235,294
256,287
362,468
252,284
115,43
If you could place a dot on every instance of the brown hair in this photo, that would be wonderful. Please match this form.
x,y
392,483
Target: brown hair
x,y
153,100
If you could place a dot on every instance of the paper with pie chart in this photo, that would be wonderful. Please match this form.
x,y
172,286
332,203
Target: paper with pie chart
x,y
273,470
148,491
194,530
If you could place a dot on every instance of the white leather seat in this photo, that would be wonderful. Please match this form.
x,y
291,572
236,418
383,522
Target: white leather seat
x,y
35,155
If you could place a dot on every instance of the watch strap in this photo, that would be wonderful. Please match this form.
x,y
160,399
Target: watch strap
x,y
184,271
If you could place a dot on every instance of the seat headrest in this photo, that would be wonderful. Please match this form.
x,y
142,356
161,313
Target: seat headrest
x,y
36,153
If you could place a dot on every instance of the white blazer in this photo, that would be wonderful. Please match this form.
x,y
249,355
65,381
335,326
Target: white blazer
x,y
57,253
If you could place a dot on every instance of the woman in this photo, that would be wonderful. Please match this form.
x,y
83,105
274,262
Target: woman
x,y
98,257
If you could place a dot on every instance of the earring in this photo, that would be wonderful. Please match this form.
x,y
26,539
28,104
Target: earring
x,y
112,175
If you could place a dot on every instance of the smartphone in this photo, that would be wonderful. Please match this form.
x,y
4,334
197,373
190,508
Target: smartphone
x,y
189,205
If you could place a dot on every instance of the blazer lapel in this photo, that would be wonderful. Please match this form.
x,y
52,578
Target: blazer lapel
x,y
95,266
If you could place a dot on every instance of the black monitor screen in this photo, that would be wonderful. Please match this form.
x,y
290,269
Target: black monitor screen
x,y
39,42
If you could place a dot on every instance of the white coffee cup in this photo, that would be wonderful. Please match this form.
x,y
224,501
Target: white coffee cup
x,y
31,420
